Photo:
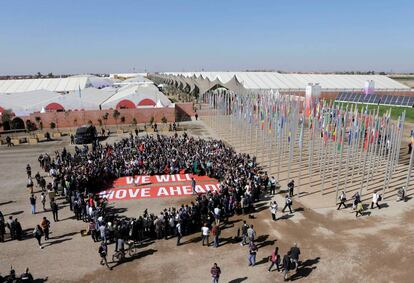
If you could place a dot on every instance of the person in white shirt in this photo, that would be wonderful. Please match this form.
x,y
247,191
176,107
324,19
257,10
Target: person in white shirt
x,y
217,212
376,197
205,231
179,235
273,209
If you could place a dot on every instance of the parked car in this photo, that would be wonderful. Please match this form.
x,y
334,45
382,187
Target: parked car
x,y
85,134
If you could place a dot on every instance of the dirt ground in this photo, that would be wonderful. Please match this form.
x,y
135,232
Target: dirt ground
x,y
335,246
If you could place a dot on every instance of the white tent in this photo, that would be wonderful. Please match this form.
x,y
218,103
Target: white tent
x,y
132,96
282,82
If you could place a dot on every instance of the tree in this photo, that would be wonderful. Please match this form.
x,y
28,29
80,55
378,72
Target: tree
x,y
164,120
75,122
41,125
115,115
30,126
105,117
50,75
134,121
52,125
152,119
38,75
90,122
6,116
122,119
38,119
100,122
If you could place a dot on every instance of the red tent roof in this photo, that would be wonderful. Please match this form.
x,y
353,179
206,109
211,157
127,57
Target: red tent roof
x,y
125,104
147,102
54,107
2,109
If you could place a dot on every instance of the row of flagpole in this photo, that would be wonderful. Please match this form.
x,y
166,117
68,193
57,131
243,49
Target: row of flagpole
x,y
332,139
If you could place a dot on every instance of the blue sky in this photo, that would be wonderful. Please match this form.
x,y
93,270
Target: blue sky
x,y
81,36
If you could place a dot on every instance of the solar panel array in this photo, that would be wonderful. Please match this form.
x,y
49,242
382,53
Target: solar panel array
x,y
406,101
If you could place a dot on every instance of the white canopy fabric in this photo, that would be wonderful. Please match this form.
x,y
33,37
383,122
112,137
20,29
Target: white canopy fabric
x,y
139,95
56,84
78,92
277,81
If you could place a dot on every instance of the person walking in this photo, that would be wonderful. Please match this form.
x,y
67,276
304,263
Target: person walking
x,y
286,265
376,197
294,255
45,224
205,233
32,200
275,259
103,252
37,233
273,209
251,234
215,273
359,210
357,199
55,209
252,254
288,204
342,200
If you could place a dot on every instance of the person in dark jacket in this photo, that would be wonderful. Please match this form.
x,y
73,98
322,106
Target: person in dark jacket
x,y
55,209
286,265
215,273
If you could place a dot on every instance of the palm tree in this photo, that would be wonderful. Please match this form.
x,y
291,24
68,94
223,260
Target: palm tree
x,y
115,115
105,117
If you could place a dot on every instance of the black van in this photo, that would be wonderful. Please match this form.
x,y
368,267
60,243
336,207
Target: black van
x,y
85,134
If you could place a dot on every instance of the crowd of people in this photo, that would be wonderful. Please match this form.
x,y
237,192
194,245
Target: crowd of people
x,y
78,176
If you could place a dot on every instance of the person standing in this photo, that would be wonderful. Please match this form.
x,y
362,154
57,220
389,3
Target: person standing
x,y
205,233
275,259
288,204
272,185
103,252
252,254
30,185
19,230
244,233
179,233
376,197
33,203
193,185
45,224
215,273
215,231
2,230
43,200
29,171
37,233
55,209
342,200
273,209
291,186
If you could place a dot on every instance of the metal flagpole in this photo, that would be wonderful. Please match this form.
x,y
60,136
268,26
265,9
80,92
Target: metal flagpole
x,y
340,163
410,167
386,178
